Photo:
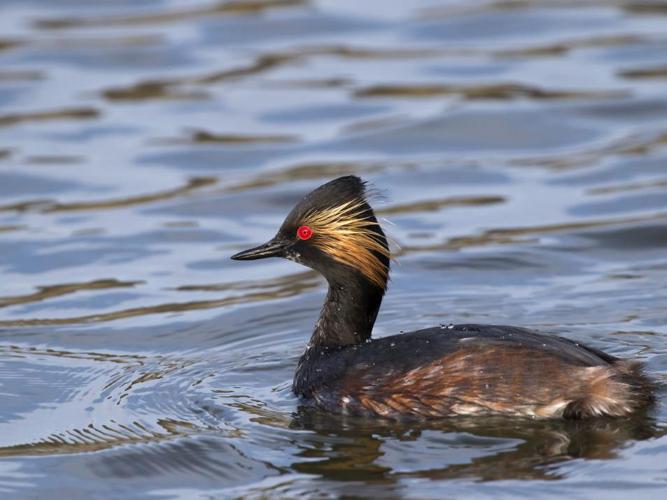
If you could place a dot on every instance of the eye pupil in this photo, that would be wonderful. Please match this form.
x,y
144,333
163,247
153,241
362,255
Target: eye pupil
x,y
304,232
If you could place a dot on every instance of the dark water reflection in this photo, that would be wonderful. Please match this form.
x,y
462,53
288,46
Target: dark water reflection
x,y
520,148
466,448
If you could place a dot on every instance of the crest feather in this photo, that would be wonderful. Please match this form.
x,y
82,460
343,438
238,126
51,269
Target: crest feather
x,y
350,234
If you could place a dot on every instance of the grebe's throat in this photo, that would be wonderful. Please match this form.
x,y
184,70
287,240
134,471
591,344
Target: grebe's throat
x,y
348,314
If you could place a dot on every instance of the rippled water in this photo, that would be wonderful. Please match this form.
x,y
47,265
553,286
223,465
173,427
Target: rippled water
x,y
522,150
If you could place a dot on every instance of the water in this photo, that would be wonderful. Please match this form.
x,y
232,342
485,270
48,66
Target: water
x,y
521,148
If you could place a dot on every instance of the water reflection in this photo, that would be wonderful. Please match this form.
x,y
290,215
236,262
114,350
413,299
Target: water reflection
x,y
45,206
497,91
60,114
175,15
493,449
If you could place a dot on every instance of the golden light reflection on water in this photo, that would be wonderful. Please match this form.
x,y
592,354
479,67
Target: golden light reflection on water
x,y
46,206
486,91
47,292
289,286
180,15
81,113
96,438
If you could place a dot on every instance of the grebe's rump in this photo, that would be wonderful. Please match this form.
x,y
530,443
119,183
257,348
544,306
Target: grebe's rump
x,y
437,372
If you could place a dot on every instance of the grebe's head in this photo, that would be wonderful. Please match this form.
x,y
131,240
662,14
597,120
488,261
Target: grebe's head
x,y
334,231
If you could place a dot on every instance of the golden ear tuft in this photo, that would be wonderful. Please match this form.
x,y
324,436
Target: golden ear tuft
x,y
348,234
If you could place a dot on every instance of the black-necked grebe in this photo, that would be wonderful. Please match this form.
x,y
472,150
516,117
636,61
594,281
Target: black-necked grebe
x,y
436,372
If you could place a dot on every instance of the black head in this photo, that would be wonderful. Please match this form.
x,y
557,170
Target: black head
x,y
334,231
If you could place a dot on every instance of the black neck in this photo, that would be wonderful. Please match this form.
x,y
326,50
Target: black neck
x,y
348,314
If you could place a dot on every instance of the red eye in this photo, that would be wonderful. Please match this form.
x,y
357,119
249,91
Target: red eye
x,y
304,232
